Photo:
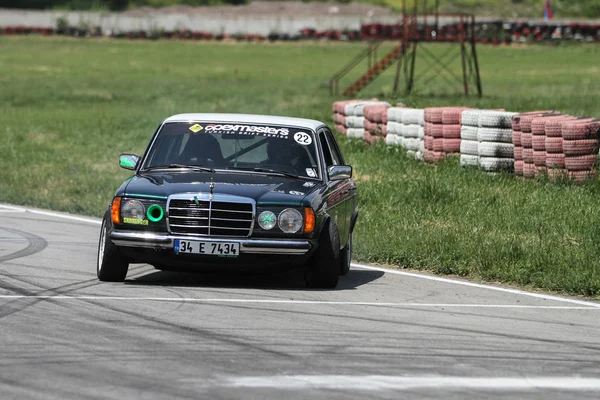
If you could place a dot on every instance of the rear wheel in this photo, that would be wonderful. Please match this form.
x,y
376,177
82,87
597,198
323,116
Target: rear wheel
x,y
346,256
111,264
323,271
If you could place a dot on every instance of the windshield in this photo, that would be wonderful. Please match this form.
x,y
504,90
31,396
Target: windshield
x,y
286,149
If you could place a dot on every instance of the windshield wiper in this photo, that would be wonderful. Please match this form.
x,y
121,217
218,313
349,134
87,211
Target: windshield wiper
x,y
273,171
268,171
197,168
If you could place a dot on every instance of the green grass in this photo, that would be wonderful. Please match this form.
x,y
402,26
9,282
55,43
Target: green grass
x,y
69,107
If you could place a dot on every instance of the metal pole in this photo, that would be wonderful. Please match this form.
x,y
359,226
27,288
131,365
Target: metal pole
x,y
474,54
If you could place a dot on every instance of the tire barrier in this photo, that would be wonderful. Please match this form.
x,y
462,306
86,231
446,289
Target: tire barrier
x,y
532,144
580,146
405,129
469,146
348,117
494,137
374,115
443,126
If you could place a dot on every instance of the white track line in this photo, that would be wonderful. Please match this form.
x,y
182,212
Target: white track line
x,y
51,214
477,285
357,265
293,302
384,382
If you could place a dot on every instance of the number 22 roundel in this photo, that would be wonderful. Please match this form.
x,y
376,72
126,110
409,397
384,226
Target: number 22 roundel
x,y
302,138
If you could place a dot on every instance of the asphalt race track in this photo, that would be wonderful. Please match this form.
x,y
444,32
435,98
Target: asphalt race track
x,y
381,334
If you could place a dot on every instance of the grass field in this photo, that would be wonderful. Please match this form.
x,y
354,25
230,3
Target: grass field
x,y
68,108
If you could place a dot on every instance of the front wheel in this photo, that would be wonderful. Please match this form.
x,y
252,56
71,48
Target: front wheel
x,y
323,271
111,264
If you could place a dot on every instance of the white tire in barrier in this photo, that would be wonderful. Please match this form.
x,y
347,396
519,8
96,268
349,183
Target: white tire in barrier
x,y
419,156
411,131
470,117
421,133
494,135
468,132
495,119
393,127
469,160
411,144
411,153
412,116
400,140
496,164
354,122
390,139
355,133
393,114
496,150
422,146
470,147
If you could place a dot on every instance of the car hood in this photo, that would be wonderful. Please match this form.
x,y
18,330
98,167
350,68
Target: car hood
x,y
264,189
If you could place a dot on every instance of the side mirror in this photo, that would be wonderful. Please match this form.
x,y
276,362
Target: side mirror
x,y
128,161
339,172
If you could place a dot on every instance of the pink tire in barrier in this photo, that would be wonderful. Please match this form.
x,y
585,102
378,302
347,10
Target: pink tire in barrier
x,y
581,176
437,130
529,170
516,138
452,115
518,153
574,130
434,114
339,119
383,129
554,125
554,144
580,163
451,131
555,160
526,140
428,141
433,156
528,155
438,144
519,167
538,142
580,147
340,128
427,127
557,173
451,145
539,158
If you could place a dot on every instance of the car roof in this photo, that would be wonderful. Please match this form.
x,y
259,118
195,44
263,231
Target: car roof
x,y
246,119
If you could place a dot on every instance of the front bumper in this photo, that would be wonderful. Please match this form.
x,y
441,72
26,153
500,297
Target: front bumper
x,y
160,241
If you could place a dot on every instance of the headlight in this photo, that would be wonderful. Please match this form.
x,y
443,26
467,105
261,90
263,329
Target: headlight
x,y
267,220
132,210
290,220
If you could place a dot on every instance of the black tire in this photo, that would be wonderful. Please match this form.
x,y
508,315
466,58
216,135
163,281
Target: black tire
x,y
111,264
323,271
346,255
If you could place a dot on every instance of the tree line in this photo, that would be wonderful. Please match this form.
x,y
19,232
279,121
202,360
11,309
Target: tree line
x,y
113,5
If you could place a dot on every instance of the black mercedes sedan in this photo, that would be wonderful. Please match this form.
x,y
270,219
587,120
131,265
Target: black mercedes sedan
x,y
233,192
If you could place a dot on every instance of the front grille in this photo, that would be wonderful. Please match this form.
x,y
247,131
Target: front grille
x,y
216,218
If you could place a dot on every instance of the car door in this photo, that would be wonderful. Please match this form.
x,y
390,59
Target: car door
x,y
348,191
336,204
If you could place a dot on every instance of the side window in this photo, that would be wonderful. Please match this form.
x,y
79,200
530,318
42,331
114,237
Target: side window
x,y
335,151
326,150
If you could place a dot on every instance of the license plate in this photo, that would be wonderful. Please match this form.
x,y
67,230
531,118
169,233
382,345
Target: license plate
x,y
223,249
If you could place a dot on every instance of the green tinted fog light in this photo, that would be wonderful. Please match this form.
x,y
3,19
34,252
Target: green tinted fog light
x,y
155,213
267,220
